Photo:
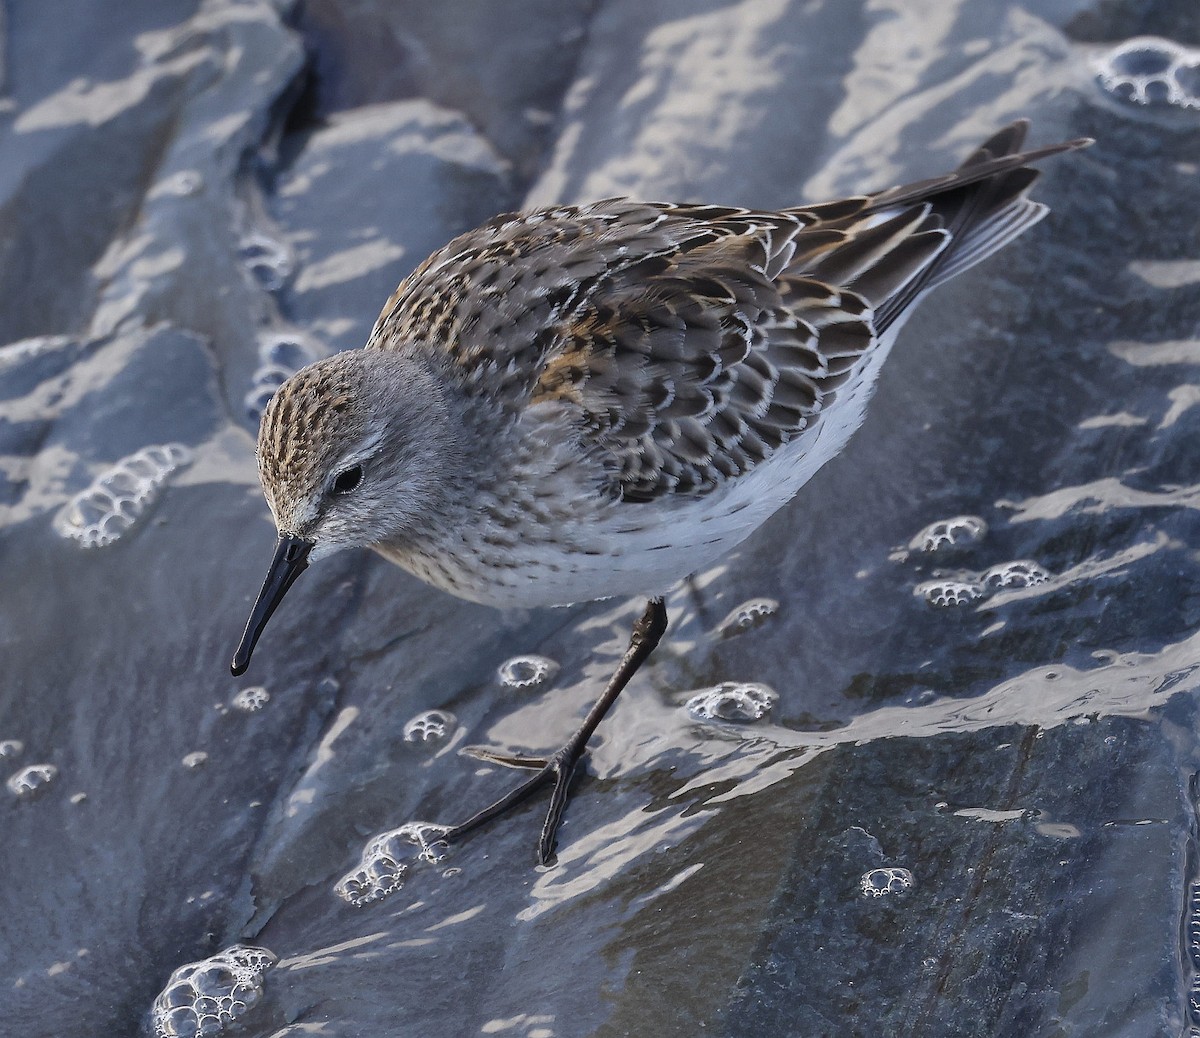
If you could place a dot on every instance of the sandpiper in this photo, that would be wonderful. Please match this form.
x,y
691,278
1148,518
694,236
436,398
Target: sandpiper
x,y
587,401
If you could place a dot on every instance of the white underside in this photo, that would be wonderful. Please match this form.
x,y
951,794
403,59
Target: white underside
x,y
644,549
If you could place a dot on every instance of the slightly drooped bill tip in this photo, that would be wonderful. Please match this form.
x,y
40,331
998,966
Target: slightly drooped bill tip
x,y
291,559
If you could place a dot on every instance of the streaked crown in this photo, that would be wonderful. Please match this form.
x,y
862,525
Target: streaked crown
x,y
307,427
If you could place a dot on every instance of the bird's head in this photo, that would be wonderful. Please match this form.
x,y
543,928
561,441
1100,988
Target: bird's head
x,y
352,451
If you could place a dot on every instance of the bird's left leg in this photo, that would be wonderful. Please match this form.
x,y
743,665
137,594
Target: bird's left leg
x,y
560,767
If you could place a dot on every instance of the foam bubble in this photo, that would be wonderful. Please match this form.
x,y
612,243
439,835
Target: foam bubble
x,y
11,748
251,699
385,862
956,532
736,701
195,760
179,185
32,780
430,726
885,881
748,615
279,358
1193,924
205,997
947,593
1018,573
523,672
268,260
118,498
1151,70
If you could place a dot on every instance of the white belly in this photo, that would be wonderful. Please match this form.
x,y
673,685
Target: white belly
x,y
602,549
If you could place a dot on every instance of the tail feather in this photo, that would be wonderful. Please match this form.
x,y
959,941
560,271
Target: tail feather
x,y
984,163
982,206
989,237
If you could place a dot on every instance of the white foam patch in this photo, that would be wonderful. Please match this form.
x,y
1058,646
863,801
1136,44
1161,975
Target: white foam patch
x,y
206,997
1153,71
119,497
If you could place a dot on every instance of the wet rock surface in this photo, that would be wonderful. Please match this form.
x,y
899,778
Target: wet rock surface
x,y
184,186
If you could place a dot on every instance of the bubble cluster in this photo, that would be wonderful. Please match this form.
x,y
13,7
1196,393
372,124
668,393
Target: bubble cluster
x,y
524,672
1151,70
1192,940
205,997
32,780
182,184
961,589
956,532
117,499
1018,573
268,260
746,616
735,701
250,699
1193,924
430,726
279,358
885,881
385,862
948,592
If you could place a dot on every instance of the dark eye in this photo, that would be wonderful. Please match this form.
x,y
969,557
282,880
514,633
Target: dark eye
x,y
346,481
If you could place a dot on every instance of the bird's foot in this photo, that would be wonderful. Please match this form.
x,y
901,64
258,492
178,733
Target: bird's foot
x,y
507,760
558,769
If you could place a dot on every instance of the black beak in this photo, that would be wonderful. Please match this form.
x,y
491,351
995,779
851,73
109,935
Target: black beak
x,y
291,559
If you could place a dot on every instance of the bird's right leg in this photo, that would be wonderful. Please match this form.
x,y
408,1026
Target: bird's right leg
x,y
559,768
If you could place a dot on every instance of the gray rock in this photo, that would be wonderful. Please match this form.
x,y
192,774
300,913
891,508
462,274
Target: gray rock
x,y
504,66
197,197
368,197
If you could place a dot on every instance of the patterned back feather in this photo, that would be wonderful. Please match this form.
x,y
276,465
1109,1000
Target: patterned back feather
x,y
688,343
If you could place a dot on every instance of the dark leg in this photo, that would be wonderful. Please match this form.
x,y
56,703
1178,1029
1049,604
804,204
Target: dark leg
x,y
560,768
